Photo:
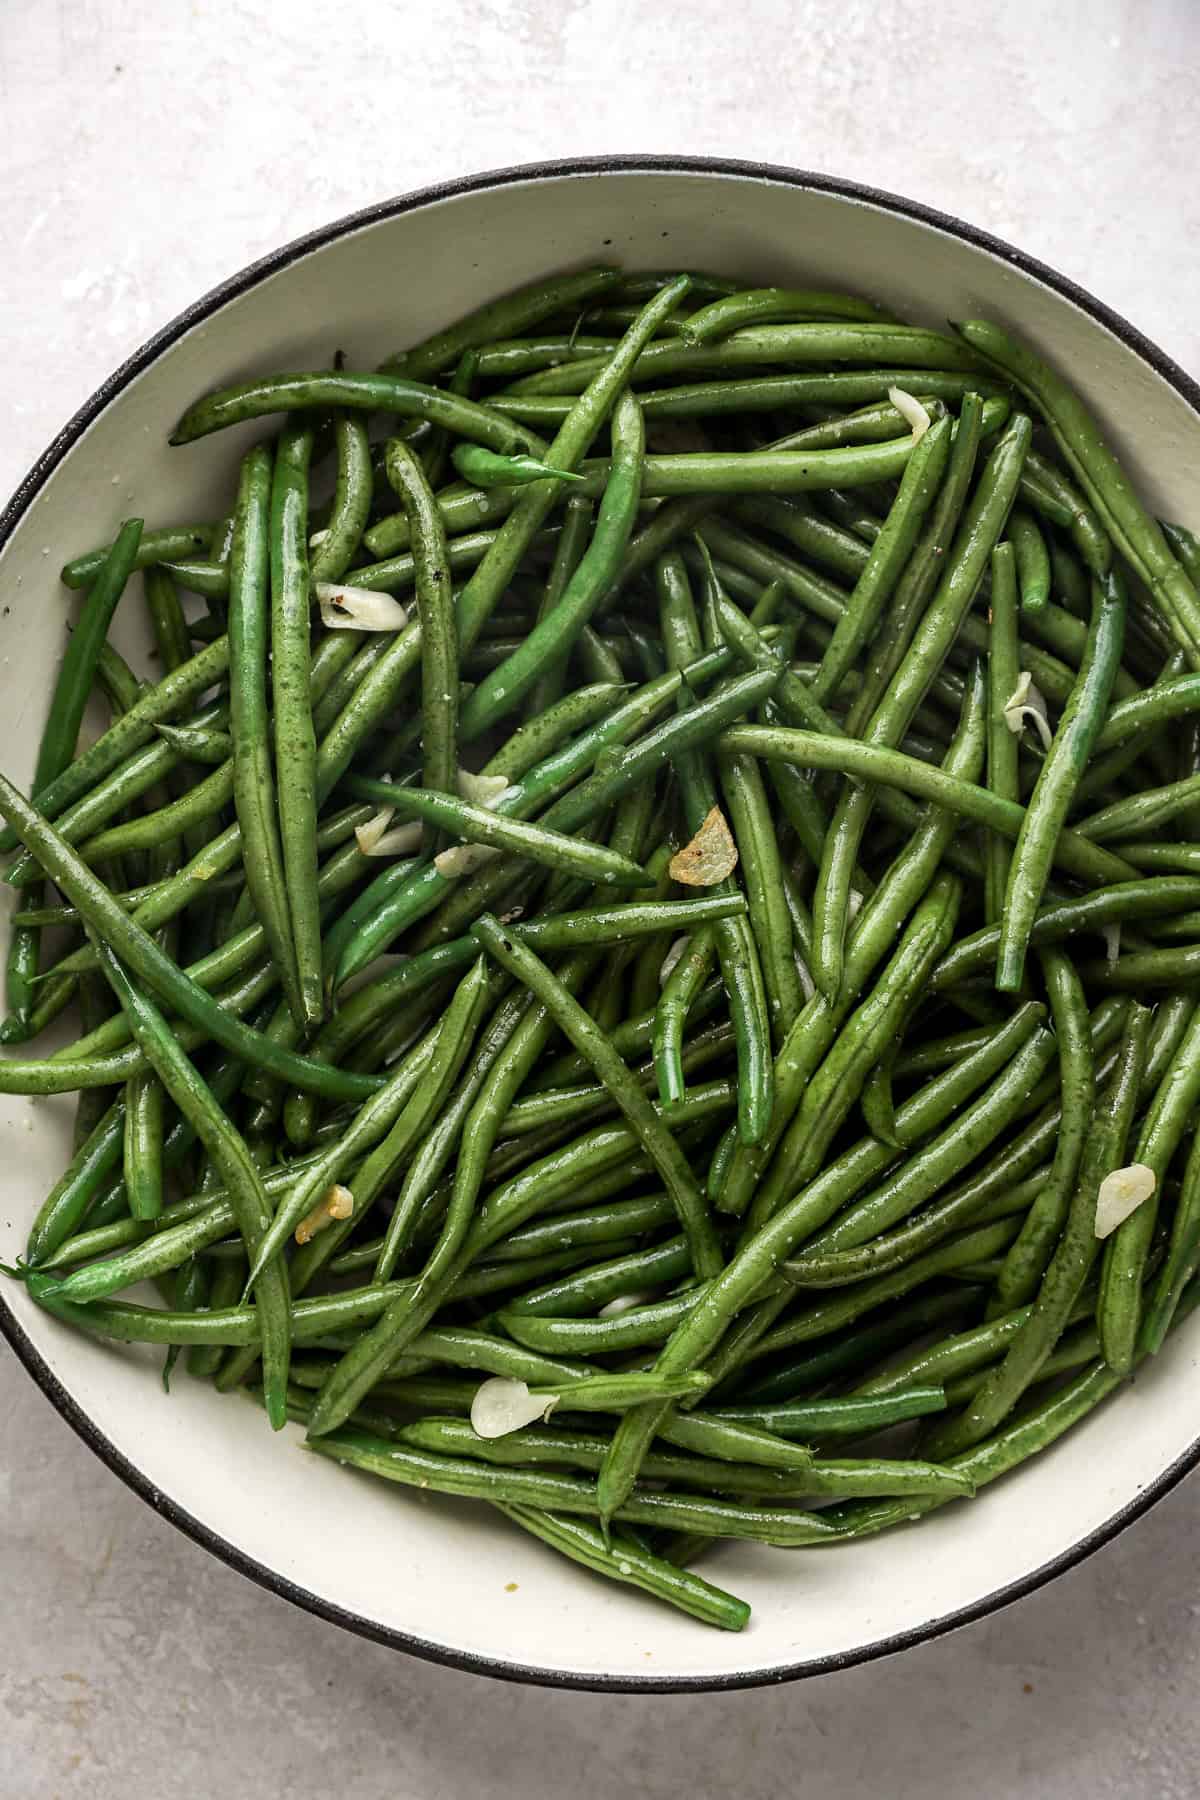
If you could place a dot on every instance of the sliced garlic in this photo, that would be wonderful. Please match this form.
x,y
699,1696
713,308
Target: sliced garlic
x,y
481,790
358,609
501,1406
463,859
1028,702
374,838
710,857
1121,1193
911,409
336,1203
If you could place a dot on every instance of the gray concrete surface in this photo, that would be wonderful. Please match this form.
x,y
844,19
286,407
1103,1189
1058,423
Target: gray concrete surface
x,y
152,147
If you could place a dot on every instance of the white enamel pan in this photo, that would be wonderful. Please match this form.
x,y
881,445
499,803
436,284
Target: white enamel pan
x,y
447,1580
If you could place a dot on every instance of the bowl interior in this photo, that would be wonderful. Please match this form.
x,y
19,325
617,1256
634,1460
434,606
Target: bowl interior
x,y
450,1578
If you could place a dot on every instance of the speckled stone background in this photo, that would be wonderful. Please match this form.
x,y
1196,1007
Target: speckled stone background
x,y
151,147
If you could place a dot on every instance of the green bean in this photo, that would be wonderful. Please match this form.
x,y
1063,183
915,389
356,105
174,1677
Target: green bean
x,y
617,924
20,983
1032,559
655,1138
889,554
291,856
507,686
963,1353
107,919
758,854
1127,1251
675,1003
760,1254
516,312
758,305
1135,533
1072,1260
798,522
155,1255
628,1562
485,825
640,1325
732,1440
832,1478
485,588
324,388
1064,763
311,1321
144,1099
129,732
485,469
618,1392
96,1006
351,501
74,680
505,358
741,969
68,1200
201,802
859,1244
464,510
755,345
356,662
920,578
1003,752
455,1037
203,1360
902,887
620,1275
853,1416
253,778
1179,1264
768,393
1149,897
227,1149
57,746
439,651
559,725
1027,1259
762,471
563,1493
196,743
837,1076
1055,497
370,1124
1153,707
1146,811
1074,854
163,544
201,577
572,542
980,528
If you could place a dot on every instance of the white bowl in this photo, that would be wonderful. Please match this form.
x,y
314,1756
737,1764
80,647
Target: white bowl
x,y
444,1579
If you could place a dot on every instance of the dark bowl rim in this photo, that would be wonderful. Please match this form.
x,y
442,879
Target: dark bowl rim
x,y
39,474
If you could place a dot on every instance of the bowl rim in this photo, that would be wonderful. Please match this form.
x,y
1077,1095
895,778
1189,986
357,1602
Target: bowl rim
x,y
251,275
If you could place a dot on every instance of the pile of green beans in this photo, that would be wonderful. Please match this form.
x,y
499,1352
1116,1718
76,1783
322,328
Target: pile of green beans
x,y
735,1160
